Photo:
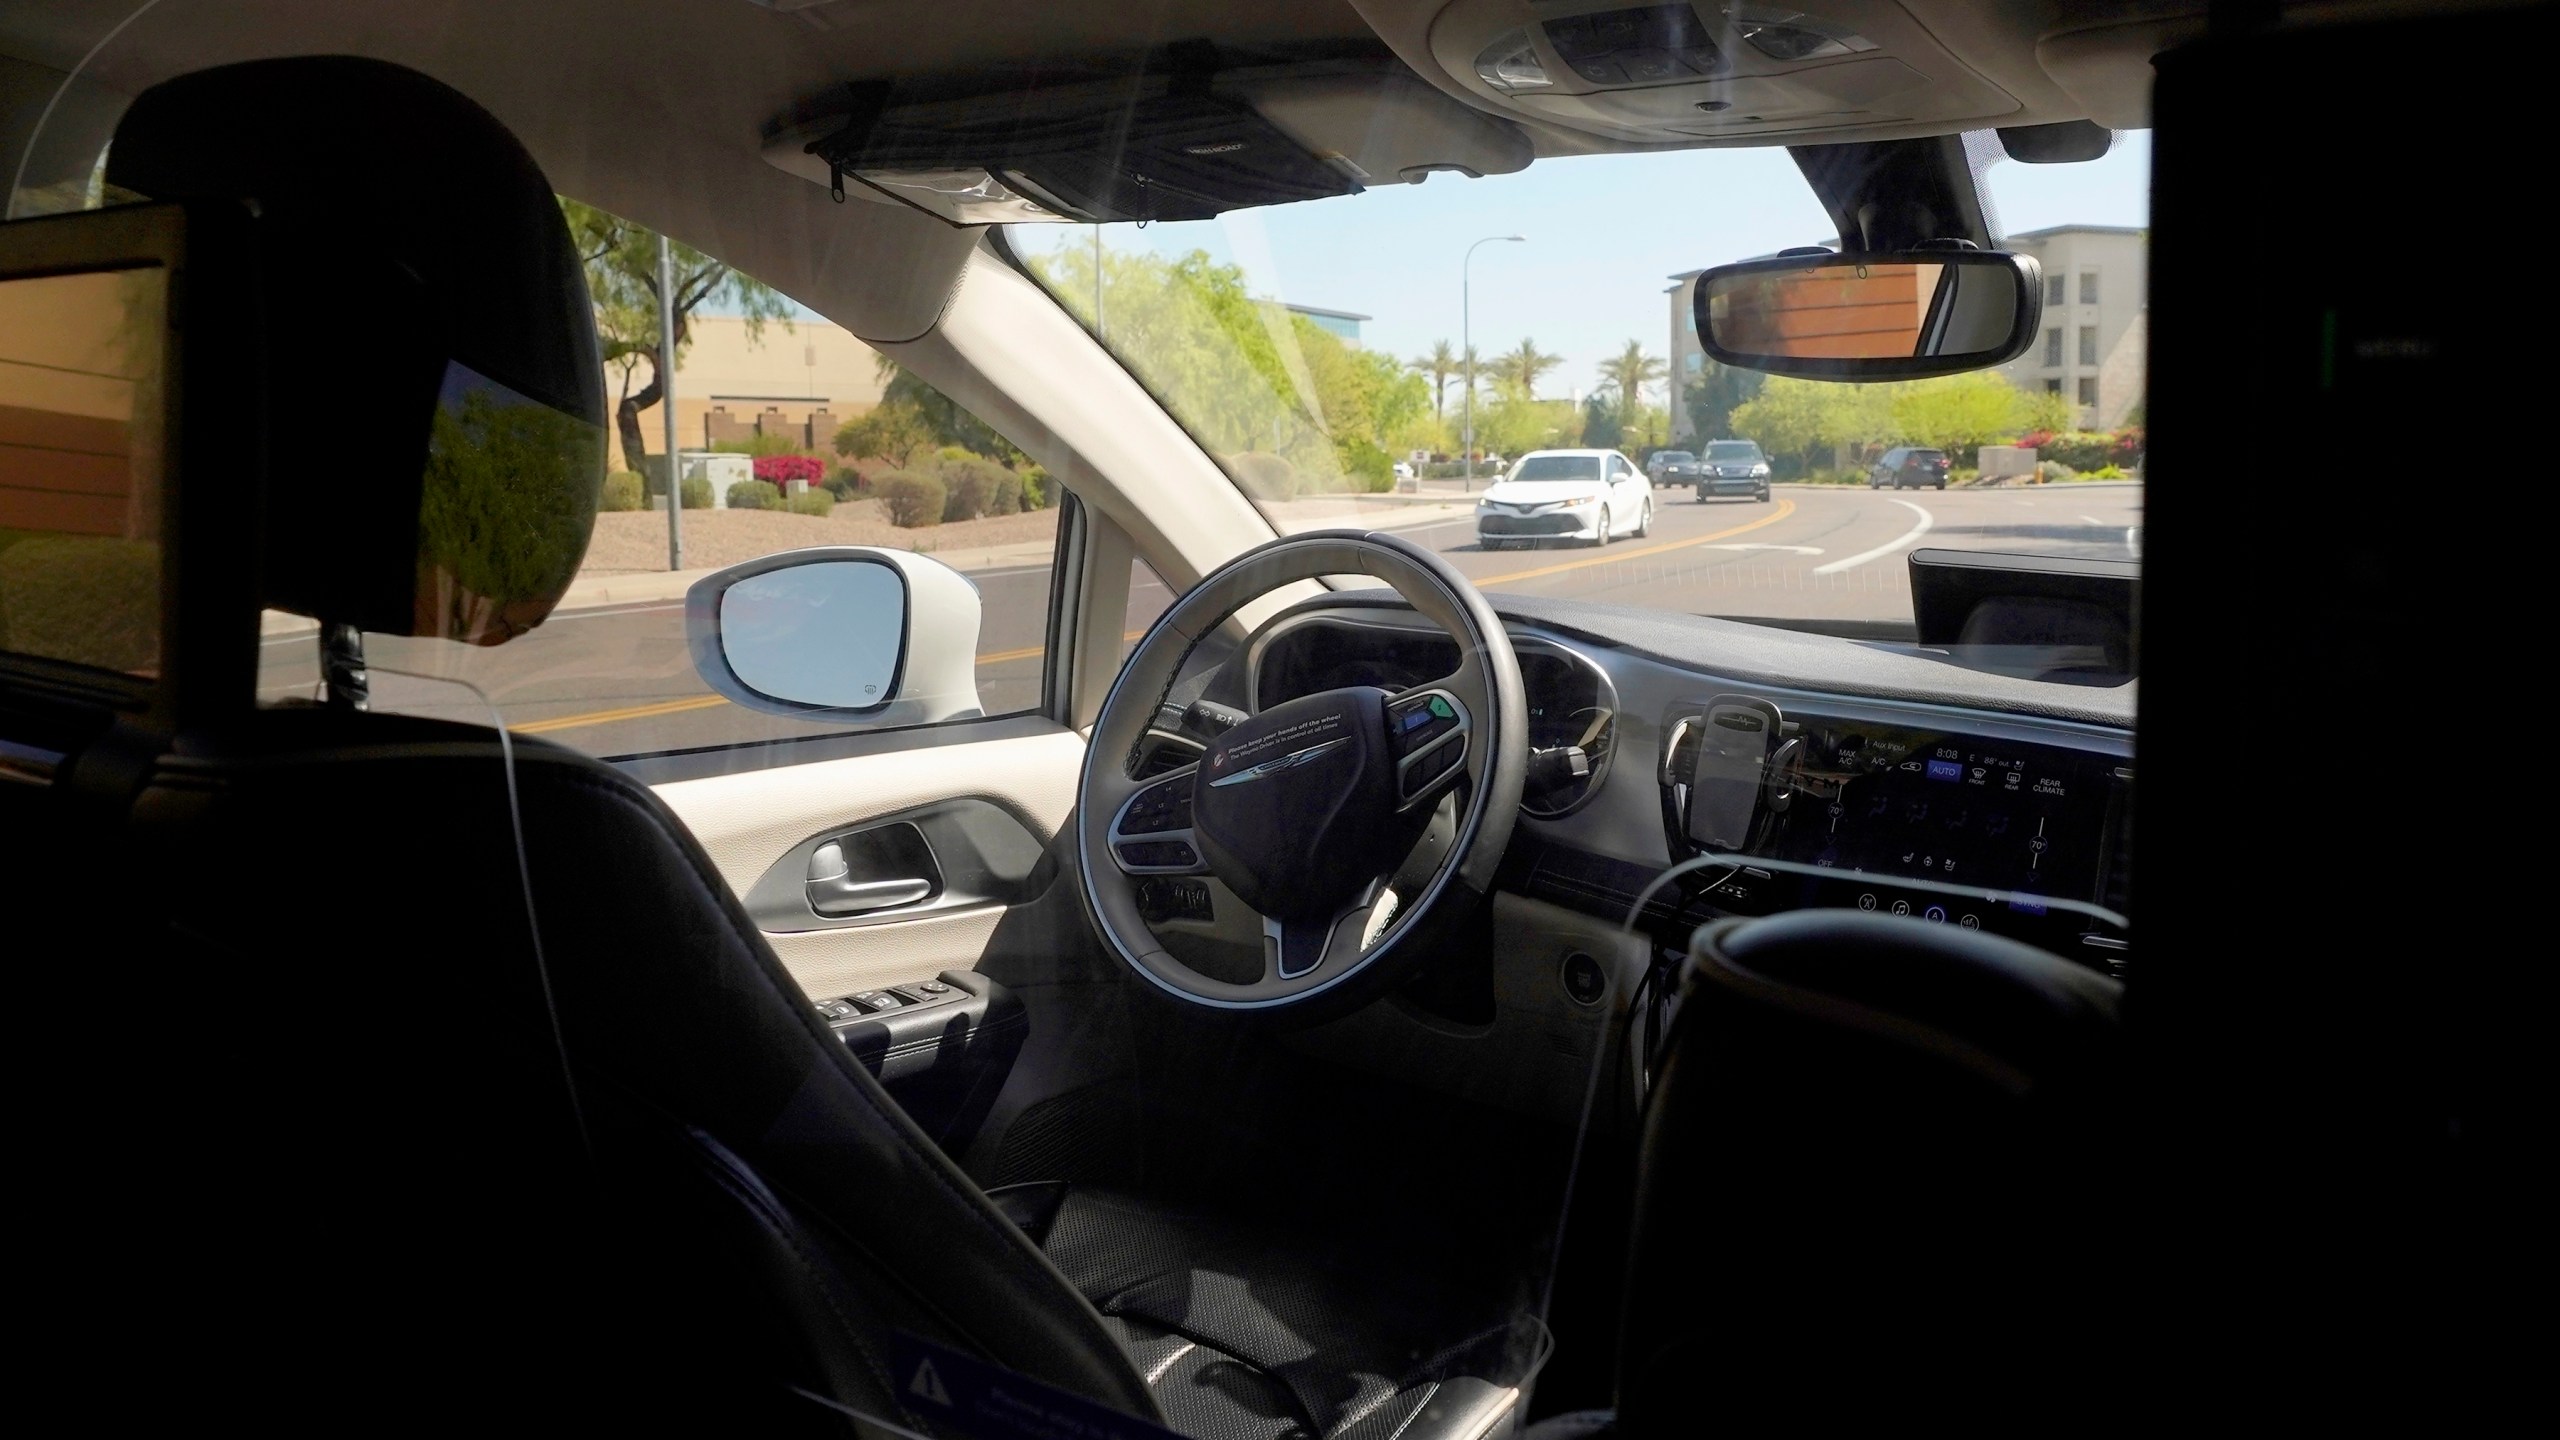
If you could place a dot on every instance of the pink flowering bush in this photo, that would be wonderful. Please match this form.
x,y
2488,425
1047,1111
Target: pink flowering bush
x,y
779,470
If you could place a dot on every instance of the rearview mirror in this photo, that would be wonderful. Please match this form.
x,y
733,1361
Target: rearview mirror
x,y
849,632
1896,316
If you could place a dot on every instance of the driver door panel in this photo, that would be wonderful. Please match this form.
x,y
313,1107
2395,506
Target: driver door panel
x,y
982,806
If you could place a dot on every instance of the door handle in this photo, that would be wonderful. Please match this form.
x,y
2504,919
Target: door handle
x,y
832,890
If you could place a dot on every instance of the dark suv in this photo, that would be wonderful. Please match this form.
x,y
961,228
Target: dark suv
x,y
1671,467
1733,467
1907,467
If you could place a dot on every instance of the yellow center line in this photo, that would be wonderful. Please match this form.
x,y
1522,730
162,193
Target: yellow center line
x,y
1609,557
627,712
1026,652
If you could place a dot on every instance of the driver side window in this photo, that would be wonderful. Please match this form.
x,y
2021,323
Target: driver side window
x,y
790,433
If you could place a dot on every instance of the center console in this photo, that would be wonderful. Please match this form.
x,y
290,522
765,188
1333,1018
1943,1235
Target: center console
x,y
1998,832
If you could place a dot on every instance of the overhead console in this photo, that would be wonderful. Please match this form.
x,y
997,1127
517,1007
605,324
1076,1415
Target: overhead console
x,y
1974,830
1184,140
1710,70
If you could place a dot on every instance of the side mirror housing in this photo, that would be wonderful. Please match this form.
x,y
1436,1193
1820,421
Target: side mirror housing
x,y
839,632
1900,315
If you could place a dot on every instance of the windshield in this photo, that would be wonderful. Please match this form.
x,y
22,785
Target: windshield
x,y
1556,467
1311,347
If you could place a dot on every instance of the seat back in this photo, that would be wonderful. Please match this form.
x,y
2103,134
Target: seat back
x,y
483,1084
1874,1160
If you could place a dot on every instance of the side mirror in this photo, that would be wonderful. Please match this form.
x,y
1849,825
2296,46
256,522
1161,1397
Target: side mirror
x,y
839,632
1896,316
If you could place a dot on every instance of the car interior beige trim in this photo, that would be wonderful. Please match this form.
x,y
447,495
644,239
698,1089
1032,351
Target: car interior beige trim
x,y
749,820
829,963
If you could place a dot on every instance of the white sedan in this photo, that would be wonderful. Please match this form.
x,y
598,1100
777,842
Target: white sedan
x,y
1593,496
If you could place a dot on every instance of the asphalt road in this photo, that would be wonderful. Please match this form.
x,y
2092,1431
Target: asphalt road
x,y
618,681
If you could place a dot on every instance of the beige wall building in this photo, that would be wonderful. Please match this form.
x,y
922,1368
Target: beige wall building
x,y
2096,319
801,382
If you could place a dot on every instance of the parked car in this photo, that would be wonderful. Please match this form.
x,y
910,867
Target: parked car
x,y
1404,469
1733,467
1593,496
1672,467
1909,467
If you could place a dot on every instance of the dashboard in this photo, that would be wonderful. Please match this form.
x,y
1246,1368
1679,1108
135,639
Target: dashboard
x,y
1773,771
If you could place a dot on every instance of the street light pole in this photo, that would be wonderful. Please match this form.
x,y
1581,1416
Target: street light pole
x,y
667,398
1467,348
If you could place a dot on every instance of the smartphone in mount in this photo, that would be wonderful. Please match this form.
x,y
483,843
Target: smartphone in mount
x,y
1735,739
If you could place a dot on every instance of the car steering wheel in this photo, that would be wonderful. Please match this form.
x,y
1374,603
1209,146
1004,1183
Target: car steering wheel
x,y
1309,810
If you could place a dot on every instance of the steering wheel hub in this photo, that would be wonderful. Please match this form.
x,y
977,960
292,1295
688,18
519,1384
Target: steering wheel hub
x,y
1296,809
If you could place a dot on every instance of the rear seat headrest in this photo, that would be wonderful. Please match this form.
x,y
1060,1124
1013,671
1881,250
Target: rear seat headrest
x,y
435,404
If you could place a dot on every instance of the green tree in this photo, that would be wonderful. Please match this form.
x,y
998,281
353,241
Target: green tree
x,y
1244,375
1959,413
1713,396
1628,372
1441,365
1520,370
1799,418
951,422
621,262
1515,424
1600,427
893,430
2050,410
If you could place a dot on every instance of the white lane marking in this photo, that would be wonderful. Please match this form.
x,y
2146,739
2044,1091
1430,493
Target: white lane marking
x,y
2094,520
1862,557
1798,549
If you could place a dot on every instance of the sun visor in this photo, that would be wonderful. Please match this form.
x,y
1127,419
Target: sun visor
x,y
1159,147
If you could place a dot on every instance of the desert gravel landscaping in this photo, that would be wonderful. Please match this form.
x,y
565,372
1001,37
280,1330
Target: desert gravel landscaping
x,y
634,541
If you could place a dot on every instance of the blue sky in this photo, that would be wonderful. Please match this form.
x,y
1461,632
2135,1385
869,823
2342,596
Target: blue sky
x,y
1605,233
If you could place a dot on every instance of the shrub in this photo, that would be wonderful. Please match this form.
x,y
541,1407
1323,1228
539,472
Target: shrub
x,y
1039,492
2079,449
621,491
844,482
1366,467
697,492
912,498
1263,475
754,495
759,445
973,486
810,502
779,471
2104,472
2056,473
2129,447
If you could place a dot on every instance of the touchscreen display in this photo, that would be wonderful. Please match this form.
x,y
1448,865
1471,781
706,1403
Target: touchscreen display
x,y
1960,809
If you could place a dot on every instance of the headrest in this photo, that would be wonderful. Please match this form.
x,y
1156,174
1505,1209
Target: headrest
x,y
435,404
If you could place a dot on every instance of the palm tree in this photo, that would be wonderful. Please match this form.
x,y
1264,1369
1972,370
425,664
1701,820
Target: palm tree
x,y
1520,369
1630,370
1440,365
